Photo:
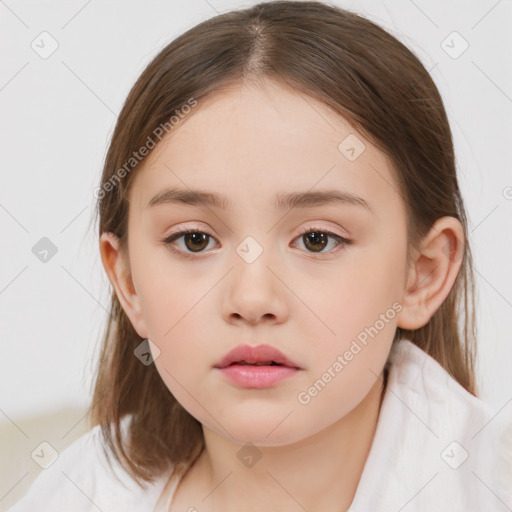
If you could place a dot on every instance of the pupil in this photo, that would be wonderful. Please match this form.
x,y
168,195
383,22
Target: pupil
x,y
315,238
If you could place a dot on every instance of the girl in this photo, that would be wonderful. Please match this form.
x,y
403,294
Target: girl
x,y
291,316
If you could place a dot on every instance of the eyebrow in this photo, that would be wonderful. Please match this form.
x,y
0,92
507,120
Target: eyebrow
x,y
283,201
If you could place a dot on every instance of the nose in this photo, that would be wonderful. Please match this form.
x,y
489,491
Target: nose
x,y
254,293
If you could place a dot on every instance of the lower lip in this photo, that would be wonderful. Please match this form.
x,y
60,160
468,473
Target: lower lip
x,y
257,377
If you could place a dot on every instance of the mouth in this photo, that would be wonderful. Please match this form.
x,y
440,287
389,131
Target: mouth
x,y
257,375
245,363
261,355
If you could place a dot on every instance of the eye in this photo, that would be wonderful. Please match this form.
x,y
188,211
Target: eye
x,y
195,241
316,240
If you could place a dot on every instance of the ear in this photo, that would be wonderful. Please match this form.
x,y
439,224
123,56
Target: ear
x,y
117,266
432,273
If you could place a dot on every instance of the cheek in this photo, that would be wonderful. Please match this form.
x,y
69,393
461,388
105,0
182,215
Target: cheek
x,y
167,296
375,276
357,310
353,295
176,313
176,324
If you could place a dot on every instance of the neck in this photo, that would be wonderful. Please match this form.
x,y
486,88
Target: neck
x,y
319,473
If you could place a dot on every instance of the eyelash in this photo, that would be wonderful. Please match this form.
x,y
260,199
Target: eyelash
x,y
341,241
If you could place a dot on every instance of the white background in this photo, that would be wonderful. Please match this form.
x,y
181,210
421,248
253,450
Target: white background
x,y
57,117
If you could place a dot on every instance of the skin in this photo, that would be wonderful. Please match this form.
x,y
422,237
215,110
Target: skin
x,y
251,142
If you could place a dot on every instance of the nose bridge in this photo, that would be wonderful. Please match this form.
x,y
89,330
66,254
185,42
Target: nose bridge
x,y
253,289
252,263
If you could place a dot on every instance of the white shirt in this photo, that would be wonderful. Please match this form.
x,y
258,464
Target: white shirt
x,y
436,448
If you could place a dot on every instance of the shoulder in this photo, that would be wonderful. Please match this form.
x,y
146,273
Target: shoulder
x,y
436,400
435,437
425,381
82,478
462,437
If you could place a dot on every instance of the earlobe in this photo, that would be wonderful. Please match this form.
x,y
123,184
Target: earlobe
x,y
117,267
433,272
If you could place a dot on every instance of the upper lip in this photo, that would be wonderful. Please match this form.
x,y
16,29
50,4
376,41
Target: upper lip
x,y
258,354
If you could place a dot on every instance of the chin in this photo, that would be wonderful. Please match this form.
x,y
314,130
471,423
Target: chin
x,y
260,438
266,433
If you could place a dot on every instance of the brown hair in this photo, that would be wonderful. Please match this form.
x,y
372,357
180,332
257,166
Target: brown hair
x,y
364,74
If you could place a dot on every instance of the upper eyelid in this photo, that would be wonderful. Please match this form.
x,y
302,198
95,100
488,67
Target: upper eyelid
x,y
180,232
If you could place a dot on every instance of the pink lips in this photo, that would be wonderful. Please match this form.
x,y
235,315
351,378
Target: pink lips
x,y
239,366
259,354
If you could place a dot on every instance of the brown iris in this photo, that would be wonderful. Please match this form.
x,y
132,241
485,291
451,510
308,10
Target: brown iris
x,y
199,241
315,240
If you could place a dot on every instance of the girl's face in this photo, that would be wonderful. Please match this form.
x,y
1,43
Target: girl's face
x,y
251,276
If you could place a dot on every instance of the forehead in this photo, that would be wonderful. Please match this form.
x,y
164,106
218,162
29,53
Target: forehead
x,y
251,142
